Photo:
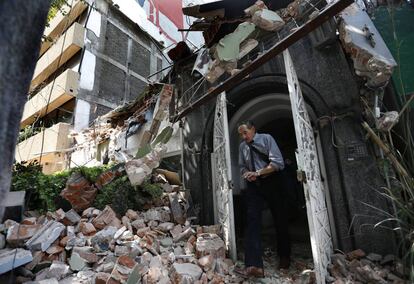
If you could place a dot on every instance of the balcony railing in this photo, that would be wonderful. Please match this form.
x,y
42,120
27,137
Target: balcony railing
x,y
64,89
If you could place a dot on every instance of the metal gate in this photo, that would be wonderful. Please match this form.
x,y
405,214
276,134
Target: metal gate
x,y
308,166
221,168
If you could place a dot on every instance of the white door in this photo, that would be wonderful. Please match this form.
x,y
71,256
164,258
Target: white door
x,y
221,168
308,164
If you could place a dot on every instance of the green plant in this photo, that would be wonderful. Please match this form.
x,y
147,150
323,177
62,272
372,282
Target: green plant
x,y
25,177
28,132
42,191
153,189
55,7
91,173
121,195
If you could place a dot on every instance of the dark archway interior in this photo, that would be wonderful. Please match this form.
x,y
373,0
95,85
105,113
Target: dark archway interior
x,y
283,131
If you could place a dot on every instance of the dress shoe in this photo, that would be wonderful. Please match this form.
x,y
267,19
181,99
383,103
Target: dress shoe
x,y
251,271
284,262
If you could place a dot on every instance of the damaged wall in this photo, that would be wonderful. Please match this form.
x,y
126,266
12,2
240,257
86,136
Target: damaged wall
x,y
117,59
331,89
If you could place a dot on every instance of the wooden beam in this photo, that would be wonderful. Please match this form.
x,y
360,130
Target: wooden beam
x,y
328,12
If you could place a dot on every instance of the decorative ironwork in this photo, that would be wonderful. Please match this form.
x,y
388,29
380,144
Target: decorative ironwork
x,y
222,184
320,233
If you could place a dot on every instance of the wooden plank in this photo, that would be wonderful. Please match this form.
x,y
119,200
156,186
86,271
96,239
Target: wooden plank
x,y
328,12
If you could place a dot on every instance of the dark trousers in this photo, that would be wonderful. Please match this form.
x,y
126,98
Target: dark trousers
x,y
273,191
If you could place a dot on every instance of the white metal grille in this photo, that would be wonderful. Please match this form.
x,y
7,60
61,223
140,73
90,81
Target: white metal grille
x,y
223,195
320,233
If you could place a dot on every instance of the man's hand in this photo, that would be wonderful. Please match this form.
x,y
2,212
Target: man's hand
x,y
250,176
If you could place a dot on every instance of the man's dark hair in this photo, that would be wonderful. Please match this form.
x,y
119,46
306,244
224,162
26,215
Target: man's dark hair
x,y
248,123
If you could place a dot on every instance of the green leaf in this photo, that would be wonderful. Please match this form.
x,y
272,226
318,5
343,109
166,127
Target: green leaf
x,y
143,151
164,136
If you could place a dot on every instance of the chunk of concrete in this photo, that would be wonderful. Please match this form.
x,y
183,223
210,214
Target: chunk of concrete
x,y
131,214
360,38
71,218
87,228
106,218
18,234
268,20
103,238
176,210
45,236
138,224
87,254
210,244
79,192
228,48
58,270
186,271
165,227
76,262
10,259
135,276
184,235
207,262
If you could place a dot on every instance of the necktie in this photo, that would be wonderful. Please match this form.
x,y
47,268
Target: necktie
x,y
252,167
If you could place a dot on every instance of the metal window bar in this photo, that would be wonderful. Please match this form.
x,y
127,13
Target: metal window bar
x,y
271,46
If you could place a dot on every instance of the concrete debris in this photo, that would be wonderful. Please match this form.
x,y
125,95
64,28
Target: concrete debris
x,y
388,120
176,210
101,240
228,48
139,169
79,192
45,236
356,266
18,234
216,69
87,228
71,218
186,272
10,259
267,20
158,245
106,218
210,244
374,62
76,262
296,10
258,6
57,270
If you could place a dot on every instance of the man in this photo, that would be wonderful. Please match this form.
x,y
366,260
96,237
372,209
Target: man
x,y
261,165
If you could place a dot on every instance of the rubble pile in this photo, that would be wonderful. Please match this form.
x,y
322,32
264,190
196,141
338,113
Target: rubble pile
x,y
158,245
357,266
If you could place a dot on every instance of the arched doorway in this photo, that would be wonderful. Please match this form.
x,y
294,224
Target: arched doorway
x,y
272,113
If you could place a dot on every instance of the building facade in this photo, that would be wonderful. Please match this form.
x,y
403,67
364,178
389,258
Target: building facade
x,y
93,59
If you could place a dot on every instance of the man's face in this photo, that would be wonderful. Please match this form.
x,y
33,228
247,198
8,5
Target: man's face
x,y
246,133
